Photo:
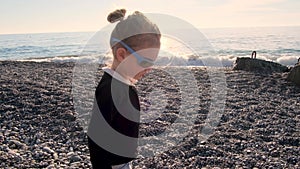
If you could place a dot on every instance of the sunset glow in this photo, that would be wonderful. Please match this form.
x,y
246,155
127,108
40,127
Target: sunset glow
x,y
35,16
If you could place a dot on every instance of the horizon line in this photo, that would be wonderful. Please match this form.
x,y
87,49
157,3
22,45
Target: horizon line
x,y
91,31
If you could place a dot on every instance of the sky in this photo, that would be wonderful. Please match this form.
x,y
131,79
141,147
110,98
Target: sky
x,y
40,16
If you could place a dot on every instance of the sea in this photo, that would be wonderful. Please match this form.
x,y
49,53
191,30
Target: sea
x,y
223,45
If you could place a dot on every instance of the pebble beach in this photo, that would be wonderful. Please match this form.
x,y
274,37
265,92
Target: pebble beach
x,y
259,127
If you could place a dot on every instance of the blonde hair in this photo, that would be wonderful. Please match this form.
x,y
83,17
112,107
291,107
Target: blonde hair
x,y
136,30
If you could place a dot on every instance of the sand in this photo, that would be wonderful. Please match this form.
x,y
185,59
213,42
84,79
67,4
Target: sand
x,y
260,125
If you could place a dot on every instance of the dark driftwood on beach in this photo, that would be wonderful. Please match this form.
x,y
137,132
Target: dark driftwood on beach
x,y
258,65
259,126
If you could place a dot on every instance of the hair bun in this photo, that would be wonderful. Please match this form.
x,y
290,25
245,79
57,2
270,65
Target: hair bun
x,y
116,15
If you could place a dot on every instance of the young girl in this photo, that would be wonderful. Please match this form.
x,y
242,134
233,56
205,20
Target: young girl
x,y
135,43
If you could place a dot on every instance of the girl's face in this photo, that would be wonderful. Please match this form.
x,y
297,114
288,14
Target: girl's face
x,y
137,63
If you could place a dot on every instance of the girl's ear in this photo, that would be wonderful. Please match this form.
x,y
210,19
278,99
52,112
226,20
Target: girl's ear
x,y
121,54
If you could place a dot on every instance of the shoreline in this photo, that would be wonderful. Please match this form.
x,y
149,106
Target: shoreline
x,y
260,125
225,61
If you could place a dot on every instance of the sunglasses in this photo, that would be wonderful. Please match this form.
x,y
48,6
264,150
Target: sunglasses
x,y
142,61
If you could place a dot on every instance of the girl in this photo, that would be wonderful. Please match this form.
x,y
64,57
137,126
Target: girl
x,y
135,43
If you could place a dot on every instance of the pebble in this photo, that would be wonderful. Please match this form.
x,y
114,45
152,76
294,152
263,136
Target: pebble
x,y
51,166
16,144
27,139
75,158
70,153
55,156
48,150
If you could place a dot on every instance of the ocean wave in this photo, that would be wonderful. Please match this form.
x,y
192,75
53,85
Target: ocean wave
x,y
215,61
227,44
288,60
71,58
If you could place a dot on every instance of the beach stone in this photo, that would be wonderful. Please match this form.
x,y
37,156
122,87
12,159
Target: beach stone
x,y
51,166
258,65
275,153
43,164
294,75
292,160
55,156
68,115
27,140
16,144
75,158
48,150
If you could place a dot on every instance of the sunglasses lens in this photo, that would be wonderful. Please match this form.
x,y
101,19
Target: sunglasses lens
x,y
146,64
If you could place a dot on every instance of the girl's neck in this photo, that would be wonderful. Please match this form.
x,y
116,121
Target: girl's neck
x,y
114,65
